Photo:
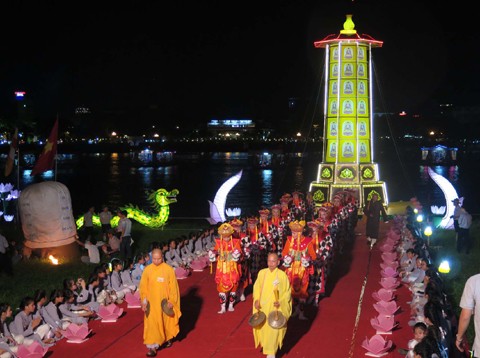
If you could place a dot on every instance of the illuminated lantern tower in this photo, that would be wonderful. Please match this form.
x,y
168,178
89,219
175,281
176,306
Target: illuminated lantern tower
x,y
347,160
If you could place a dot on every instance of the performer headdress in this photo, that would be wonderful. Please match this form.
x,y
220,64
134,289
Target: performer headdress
x,y
297,226
225,229
236,222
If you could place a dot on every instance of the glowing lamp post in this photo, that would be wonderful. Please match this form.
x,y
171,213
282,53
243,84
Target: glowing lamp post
x,y
428,233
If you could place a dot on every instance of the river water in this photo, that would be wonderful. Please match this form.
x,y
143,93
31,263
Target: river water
x,y
113,179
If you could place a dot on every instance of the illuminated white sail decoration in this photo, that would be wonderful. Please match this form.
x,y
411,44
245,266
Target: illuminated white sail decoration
x,y
217,208
450,194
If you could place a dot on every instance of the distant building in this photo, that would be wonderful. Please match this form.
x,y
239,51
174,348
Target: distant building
x,y
230,126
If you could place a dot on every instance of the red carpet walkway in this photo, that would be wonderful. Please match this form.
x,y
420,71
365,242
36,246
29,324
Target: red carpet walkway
x,y
330,332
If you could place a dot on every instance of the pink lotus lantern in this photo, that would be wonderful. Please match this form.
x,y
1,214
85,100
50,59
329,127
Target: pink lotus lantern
x,y
395,237
386,308
389,282
77,333
383,295
387,248
110,313
181,273
389,272
133,299
199,264
34,350
377,346
392,264
383,324
391,242
389,256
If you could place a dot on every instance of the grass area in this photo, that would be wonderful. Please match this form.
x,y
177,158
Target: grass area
x,y
39,273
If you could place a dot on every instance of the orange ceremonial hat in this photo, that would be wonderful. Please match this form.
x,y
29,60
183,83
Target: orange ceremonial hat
x,y
225,229
264,212
236,222
297,226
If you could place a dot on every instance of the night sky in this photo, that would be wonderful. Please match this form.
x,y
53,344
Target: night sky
x,y
165,62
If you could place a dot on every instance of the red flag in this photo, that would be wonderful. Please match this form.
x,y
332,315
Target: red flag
x,y
46,158
11,154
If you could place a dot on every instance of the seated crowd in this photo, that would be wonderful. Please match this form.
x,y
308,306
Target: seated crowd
x,y
431,313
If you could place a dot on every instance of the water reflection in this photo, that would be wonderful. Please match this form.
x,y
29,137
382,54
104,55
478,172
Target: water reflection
x,y
114,180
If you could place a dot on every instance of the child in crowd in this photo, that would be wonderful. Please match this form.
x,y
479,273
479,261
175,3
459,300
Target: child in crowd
x,y
8,345
126,275
77,314
26,326
115,281
41,301
138,268
419,332
52,314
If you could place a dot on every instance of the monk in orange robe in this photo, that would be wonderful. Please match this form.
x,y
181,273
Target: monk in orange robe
x,y
159,282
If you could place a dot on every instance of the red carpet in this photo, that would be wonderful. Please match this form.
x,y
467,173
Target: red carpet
x,y
330,331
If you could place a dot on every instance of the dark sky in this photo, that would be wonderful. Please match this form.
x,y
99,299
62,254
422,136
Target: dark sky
x,y
186,62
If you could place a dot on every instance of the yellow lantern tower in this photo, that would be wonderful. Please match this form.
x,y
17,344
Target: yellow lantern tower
x,y
347,161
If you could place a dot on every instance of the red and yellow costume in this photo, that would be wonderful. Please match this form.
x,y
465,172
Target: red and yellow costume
x,y
227,252
297,247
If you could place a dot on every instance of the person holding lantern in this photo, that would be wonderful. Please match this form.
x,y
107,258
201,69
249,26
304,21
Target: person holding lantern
x,y
227,252
298,255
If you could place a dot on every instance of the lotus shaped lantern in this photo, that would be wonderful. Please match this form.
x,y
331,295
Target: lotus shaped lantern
x,y
384,324
198,264
394,236
34,350
391,242
386,308
377,346
383,295
389,282
181,273
76,333
110,313
389,256
392,264
133,299
389,272
387,248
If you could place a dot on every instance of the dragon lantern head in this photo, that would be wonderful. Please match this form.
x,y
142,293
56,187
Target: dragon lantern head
x,y
163,197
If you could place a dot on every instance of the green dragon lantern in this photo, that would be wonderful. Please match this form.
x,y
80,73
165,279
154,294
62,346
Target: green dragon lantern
x,y
160,200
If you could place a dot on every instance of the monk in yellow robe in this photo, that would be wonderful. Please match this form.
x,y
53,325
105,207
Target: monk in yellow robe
x,y
159,282
268,281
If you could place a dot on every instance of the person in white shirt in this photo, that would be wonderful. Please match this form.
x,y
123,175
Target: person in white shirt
x,y
124,229
93,252
105,219
469,303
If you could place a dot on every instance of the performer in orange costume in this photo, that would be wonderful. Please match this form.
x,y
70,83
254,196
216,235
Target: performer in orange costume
x,y
237,225
227,252
298,255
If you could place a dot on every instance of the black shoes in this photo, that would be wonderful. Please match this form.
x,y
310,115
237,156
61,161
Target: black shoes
x,y
168,343
151,353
